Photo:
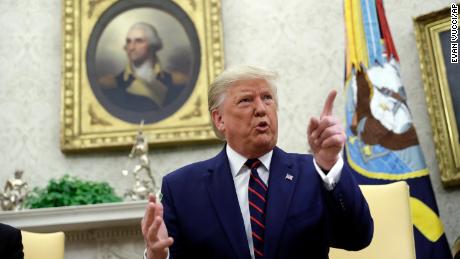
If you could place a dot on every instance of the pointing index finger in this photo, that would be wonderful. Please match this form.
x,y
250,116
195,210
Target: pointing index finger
x,y
329,104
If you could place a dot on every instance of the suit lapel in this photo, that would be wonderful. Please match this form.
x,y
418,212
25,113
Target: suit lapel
x,y
222,192
282,181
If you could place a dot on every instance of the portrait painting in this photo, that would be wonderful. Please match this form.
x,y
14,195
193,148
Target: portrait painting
x,y
441,79
127,62
143,60
452,75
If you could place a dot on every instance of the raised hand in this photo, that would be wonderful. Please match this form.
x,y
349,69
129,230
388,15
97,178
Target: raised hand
x,y
154,230
326,135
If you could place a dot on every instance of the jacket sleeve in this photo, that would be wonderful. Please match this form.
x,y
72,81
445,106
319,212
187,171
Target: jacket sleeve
x,y
12,243
177,250
350,225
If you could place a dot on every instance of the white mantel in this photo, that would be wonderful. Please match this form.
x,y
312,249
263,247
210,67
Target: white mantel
x,y
76,218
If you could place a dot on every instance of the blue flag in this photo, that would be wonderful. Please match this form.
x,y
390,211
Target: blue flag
x,y
382,144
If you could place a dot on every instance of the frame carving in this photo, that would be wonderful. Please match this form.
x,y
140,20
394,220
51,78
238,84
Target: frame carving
x,y
437,71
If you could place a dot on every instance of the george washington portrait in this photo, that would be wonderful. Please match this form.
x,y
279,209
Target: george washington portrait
x,y
143,60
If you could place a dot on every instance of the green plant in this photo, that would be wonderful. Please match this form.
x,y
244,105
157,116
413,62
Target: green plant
x,y
68,191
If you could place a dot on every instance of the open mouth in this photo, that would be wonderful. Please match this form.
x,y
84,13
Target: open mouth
x,y
262,126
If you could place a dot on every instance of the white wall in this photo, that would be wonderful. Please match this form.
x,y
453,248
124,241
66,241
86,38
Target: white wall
x,y
301,39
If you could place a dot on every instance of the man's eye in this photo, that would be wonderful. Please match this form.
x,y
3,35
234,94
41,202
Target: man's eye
x,y
268,97
244,100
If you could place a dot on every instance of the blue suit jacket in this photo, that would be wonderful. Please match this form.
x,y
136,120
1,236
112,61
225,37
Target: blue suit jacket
x,y
10,242
303,219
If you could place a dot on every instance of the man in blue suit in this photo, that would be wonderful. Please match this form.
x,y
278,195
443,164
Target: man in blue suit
x,y
253,200
10,242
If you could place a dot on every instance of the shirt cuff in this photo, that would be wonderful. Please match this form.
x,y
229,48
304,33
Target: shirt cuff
x,y
145,254
333,176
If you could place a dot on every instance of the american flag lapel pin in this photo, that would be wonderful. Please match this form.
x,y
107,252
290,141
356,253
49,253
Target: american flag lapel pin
x,y
289,177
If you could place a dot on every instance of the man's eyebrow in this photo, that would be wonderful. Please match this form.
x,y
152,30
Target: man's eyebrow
x,y
242,94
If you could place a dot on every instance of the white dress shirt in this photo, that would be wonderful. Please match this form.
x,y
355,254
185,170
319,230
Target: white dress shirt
x,y
241,174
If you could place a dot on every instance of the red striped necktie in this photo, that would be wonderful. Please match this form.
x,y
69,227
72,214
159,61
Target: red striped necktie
x,y
257,193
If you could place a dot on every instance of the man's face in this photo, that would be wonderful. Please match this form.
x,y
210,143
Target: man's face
x,y
247,118
137,47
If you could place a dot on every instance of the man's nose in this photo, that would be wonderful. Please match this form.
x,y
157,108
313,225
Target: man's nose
x,y
260,107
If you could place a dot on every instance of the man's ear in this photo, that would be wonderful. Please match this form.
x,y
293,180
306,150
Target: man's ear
x,y
218,120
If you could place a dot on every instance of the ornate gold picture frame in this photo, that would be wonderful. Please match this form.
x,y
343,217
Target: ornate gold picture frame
x,y
441,78
129,61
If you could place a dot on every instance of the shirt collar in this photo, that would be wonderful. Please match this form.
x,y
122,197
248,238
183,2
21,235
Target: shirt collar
x,y
129,71
237,161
